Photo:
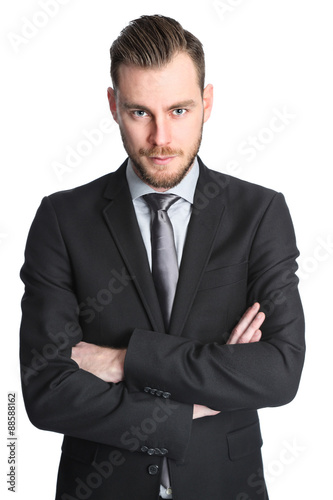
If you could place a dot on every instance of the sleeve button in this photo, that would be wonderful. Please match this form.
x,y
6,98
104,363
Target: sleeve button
x,y
153,470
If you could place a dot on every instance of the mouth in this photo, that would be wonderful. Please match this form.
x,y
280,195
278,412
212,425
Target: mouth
x,y
162,160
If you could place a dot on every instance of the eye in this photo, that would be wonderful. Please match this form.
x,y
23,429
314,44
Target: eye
x,y
179,112
139,113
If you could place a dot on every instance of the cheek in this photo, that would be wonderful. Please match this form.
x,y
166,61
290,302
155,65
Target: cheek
x,y
135,135
189,132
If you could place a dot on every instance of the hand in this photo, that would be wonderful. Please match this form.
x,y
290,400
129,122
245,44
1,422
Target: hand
x,y
247,329
103,362
245,332
200,411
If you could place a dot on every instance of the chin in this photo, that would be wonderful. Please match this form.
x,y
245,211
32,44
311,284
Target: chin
x,y
162,176
164,179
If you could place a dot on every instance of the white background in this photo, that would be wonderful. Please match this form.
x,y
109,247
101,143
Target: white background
x,y
261,56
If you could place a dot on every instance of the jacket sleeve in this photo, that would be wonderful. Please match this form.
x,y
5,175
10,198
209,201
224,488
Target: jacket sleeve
x,y
244,376
58,395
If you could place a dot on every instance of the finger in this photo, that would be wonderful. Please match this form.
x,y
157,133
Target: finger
x,y
252,329
247,335
243,323
256,337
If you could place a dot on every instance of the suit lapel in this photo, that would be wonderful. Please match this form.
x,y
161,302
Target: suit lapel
x,y
121,220
208,210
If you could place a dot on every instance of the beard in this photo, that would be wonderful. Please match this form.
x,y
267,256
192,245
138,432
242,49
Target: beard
x,y
162,178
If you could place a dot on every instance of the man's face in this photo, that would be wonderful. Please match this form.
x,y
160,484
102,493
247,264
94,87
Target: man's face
x,y
160,112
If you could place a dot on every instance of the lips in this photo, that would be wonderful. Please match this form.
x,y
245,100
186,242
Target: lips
x,y
161,160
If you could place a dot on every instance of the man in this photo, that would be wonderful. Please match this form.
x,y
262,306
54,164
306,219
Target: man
x,y
157,388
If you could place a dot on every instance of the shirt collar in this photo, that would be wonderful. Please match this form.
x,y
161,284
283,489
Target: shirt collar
x,y
185,189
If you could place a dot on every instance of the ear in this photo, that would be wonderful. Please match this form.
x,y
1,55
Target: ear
x,y
113,103
208,95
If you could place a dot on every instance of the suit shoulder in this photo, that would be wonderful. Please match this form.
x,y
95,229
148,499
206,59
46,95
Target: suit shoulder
x,y
239,187
244,199
86,191
92,194
84,201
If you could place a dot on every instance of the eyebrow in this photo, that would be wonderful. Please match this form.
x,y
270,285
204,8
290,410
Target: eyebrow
x,y
179,105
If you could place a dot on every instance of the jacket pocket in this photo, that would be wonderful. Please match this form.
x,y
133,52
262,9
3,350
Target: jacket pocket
x,y
244,441
79,449
224,276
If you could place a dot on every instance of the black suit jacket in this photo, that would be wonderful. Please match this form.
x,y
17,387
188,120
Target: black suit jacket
x,y
87,278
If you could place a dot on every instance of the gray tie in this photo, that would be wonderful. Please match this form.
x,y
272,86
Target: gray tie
x,y
164,269
164,256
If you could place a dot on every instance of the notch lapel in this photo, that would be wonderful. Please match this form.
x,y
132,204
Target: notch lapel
x,y
206,218
122,223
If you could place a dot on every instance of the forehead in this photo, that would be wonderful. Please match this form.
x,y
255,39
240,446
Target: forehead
x,y
175,80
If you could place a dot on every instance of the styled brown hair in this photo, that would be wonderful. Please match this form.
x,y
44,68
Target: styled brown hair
x,y
152,41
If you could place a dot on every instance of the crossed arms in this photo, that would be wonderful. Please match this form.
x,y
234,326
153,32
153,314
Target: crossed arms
x,y
108,364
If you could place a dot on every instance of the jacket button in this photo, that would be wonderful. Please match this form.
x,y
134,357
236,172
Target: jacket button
x,y
153,470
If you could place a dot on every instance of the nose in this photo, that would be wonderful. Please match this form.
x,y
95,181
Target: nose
x,y
160,133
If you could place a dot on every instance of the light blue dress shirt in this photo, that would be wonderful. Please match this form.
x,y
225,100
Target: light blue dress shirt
x,y
179,213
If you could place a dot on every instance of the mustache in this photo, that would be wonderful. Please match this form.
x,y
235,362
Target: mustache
x,y
163,151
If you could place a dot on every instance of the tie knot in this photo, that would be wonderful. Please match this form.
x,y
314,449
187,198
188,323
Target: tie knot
x,y
160,201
